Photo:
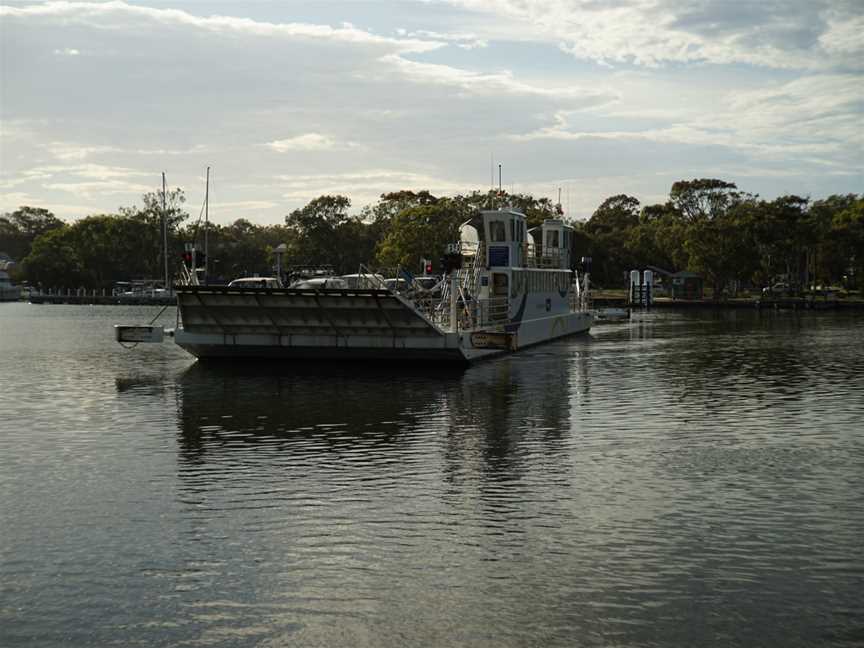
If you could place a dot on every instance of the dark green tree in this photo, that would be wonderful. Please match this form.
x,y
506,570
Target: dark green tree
x,y
21,227
420,232
609,230
326,234
847,230
705,198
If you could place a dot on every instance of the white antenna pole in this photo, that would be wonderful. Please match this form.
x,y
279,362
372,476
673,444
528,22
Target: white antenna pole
x,y
491,180
206,226
164,233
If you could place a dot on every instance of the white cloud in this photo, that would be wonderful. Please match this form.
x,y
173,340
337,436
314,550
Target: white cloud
x,y
364,187
198,148
502,82
96,175
94,13
465,41
72,151
99,188
14,199
243,205
807,34
91,171
814,120
68,151
307,142
68,51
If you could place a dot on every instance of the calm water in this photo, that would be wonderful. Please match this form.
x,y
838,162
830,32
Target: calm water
x,y
683,480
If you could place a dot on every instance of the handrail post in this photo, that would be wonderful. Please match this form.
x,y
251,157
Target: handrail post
x,y
454,289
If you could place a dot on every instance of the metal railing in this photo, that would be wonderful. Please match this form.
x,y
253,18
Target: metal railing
x,y
369,279
545,257
493,311
188,277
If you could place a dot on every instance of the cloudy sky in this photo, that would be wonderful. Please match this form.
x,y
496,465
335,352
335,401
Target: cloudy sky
x,y
289,100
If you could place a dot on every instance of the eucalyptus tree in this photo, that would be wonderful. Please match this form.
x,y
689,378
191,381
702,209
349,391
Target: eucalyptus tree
x,y
151,237
610,231
420,232
847,231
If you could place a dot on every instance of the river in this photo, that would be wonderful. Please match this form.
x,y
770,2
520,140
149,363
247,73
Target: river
x,y
685,479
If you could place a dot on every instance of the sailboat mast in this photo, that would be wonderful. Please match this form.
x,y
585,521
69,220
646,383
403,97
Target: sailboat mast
x,y
206,227
164,233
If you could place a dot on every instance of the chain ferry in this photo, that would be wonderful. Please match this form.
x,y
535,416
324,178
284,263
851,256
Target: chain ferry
x,y
505,288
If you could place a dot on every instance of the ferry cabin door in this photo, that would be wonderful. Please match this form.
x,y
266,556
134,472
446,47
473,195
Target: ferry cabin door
x,y
500,284
499,306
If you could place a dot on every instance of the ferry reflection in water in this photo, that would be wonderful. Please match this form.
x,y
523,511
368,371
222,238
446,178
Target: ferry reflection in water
x,y
367,494
307,408
302,407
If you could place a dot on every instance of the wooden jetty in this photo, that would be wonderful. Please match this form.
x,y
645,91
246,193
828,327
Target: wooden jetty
x,y
93,299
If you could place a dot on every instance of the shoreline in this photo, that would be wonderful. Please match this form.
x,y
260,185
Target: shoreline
x,y
600,301
788,303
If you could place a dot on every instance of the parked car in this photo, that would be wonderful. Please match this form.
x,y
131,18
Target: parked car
x,y
396,284
364,281
321,283
256,282
777,289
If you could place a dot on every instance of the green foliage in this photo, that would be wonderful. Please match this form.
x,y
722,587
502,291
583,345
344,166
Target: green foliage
x,y
325,233
609,230
419,232
720,249
706,198
394,202
242,248
707,226
150,241
53,260
846,233
151,210
20,228
93,252
658,238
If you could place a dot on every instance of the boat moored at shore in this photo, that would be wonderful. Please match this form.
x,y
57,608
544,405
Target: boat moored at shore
x,y
8,291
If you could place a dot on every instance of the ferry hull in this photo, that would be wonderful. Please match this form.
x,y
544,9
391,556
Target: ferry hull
x,y
205,351
351,326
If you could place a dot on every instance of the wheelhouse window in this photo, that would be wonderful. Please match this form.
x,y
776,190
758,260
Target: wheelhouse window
x,y
497,232
552,239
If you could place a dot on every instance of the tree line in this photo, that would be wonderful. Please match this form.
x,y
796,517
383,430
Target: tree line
x,y
708,226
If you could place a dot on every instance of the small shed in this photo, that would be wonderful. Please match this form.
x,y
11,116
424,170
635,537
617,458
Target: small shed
x,y
687,285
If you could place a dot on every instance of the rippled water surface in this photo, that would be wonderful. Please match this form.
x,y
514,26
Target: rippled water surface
x,y
681,480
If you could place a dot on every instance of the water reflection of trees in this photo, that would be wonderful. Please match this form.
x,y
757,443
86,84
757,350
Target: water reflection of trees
x,y
712,356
